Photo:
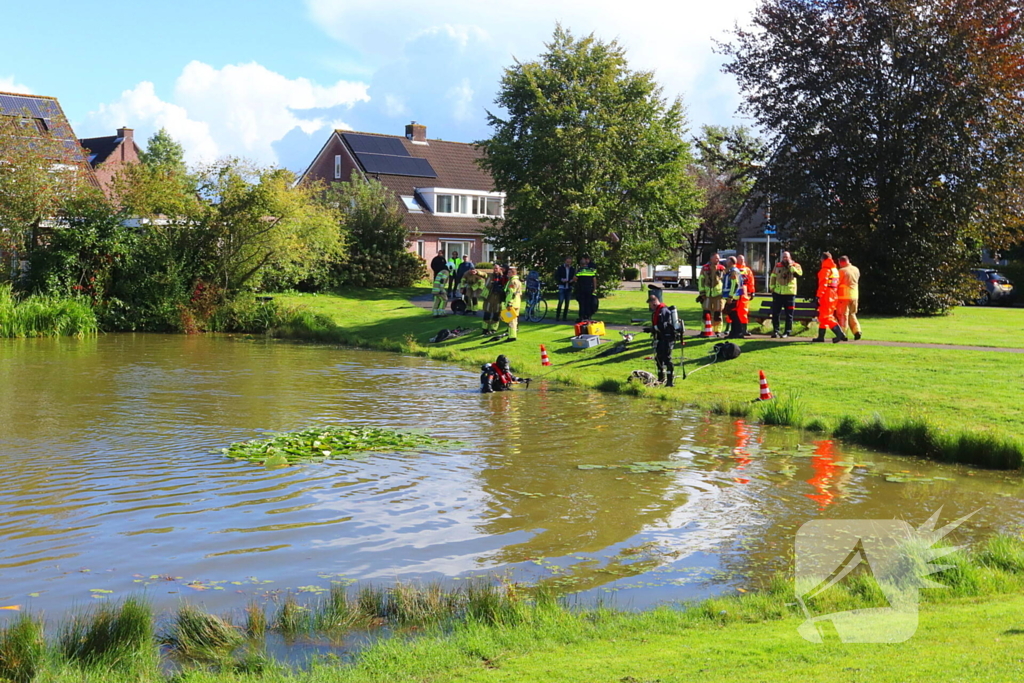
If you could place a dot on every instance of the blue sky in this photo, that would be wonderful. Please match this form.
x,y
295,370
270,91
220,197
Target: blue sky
x,y
269,80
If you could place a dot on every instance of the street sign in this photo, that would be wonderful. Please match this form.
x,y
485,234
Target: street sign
x,y
769,229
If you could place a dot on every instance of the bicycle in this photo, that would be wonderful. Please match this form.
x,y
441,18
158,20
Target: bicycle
x,y
536,307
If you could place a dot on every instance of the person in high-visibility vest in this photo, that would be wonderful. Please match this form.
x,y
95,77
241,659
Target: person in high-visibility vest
x,y
828,283
513,301
782,285
709,288
440,292
473,288
849,295
585,281
734,289
749,288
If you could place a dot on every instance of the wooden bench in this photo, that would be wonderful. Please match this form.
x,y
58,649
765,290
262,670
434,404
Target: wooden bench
x,y
803,313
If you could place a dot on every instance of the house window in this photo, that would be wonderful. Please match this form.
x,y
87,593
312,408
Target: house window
x,y
444,203
411,204
337,167
468,205
421,249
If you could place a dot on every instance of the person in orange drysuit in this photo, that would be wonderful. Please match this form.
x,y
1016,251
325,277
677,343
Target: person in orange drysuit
x,y
828,283
750,286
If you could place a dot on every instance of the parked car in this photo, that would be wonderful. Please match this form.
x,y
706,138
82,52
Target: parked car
x,y
997,286
668,276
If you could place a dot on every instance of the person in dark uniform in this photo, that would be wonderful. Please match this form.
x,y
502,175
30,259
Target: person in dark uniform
x,y
438,263
664,330
585,281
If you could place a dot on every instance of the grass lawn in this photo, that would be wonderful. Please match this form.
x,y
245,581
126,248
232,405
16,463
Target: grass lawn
x,y
950,388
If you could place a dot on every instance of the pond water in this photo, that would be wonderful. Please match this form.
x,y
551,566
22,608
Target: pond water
x,y
113,483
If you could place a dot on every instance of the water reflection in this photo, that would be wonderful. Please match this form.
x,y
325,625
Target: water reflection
x,y
112,482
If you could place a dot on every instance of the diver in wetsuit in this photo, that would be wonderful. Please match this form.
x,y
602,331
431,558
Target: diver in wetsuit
x,y
497,376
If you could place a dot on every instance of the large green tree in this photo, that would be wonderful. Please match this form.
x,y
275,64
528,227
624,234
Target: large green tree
x,y
725,170
592,159
897,125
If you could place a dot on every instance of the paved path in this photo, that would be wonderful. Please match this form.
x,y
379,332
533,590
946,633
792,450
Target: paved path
x,y
426,302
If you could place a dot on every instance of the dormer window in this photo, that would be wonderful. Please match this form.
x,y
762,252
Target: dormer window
x,y
468,205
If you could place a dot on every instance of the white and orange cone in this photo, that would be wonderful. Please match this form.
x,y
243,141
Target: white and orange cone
x,y
708,331
766,393
544,360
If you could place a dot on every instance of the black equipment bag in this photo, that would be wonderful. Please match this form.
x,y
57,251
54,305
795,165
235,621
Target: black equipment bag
x,y
726,351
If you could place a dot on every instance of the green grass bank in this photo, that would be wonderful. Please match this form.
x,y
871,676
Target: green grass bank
x,y
45,316
950,405
973,627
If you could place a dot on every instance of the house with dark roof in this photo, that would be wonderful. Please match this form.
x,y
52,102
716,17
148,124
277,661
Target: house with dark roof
x,y
107,155
445,196
37,123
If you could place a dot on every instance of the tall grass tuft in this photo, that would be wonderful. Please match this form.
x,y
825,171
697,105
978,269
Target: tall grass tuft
x,y
1005,553
335,612
198,636
491,603
412,604
292,618
255,620
22,649
787,411
112,635
45,316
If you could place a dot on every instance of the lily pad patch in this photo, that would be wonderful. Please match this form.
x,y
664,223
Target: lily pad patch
x,y
322,443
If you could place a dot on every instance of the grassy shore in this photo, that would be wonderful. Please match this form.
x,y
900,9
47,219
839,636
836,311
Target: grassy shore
x,y
44,316
971,627
949,405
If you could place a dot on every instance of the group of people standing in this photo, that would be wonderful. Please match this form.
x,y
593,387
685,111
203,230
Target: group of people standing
x,y
836,297
581,280
724,292
497,291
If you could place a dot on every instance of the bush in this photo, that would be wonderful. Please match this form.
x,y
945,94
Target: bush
x,y
631,273
485,265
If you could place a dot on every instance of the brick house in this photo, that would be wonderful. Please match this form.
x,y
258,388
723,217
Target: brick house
x,y
445,196
108,154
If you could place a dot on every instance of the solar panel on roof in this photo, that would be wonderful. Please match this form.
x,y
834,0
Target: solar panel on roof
x,y
14,105
396,165
374,144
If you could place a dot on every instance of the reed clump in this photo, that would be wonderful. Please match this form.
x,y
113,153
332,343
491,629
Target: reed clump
x,y
115,635
45,316
198,636
22,648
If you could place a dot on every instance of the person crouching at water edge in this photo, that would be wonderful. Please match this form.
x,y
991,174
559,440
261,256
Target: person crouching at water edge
x,y
513,302
440,292
497,376
492,304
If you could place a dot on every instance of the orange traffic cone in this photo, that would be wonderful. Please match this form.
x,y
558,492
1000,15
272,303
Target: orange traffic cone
x,y
766,393
708,331
544,360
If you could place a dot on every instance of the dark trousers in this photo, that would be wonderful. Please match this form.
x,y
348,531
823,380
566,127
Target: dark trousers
x,y
663,359
783,303
453,283
588,305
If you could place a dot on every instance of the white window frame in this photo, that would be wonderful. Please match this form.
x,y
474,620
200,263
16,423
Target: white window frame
x,y
470,203
337,167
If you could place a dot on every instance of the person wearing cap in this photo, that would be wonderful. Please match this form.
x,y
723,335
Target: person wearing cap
x,y
439,291
495,286
438,262
664,332
828,284
497,376
709,288
461,271
782,285
563,276
849,294
513,301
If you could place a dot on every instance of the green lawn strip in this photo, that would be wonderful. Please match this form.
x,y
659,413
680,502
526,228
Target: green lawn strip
x,y
968,641
950,390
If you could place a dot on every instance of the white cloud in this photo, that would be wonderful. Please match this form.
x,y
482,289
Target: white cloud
x,y
238,110
8,84
673,39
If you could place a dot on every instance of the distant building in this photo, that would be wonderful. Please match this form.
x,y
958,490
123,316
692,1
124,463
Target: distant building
x,y
444,194
107,155
37,123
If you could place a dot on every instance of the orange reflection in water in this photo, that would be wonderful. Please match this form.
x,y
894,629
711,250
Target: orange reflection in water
x,y
825,473
740,453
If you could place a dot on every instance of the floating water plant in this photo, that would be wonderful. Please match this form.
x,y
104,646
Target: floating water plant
x,y
323,443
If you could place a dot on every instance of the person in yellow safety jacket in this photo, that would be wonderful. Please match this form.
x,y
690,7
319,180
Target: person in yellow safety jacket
x,y
709,288
782,285
495,287
473,286
828,283
513,301
734,290
440,292
849,296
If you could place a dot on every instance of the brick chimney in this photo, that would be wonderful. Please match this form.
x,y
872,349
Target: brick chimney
x,y
128,144
416,132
